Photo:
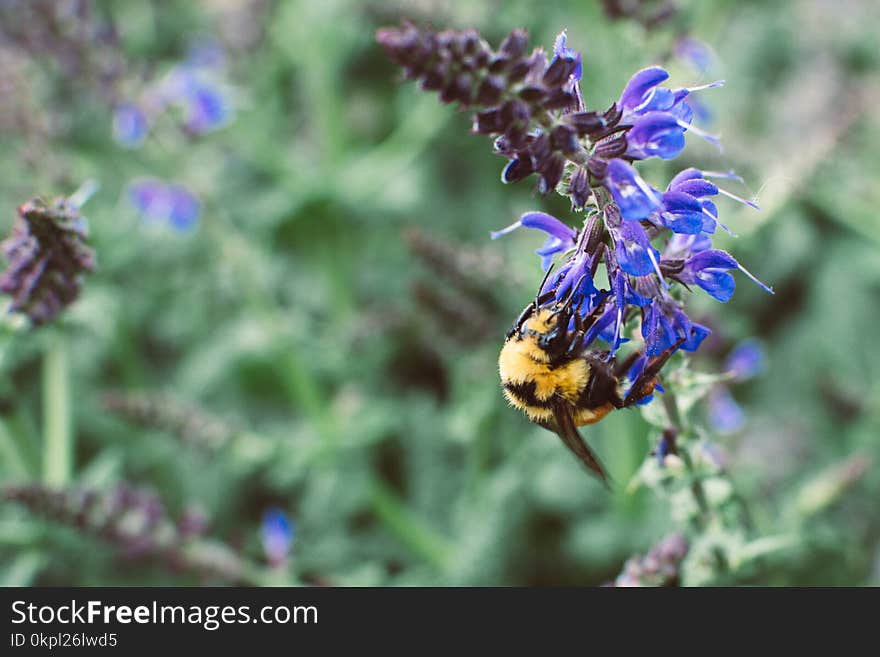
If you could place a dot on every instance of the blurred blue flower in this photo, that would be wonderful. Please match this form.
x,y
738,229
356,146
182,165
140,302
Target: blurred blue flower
x,y
277,535
206,108
171,203
130,125
746,360
725,415
696,53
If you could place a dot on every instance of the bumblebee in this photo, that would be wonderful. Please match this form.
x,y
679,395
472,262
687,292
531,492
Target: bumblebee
x,y
548,373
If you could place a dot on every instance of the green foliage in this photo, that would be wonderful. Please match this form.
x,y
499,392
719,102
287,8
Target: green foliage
x,y
356,377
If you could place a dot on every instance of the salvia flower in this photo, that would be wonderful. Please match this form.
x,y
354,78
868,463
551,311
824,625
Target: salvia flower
x,y
640,248
277,535
48,258
168,203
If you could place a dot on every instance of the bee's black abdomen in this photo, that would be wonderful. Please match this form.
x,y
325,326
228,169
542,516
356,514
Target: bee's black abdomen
x,y
601,389
525,392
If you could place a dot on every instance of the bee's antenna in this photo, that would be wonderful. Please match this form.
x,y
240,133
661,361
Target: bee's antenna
x,y
541,286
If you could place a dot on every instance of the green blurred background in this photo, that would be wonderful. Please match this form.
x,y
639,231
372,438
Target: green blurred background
x,y
337,312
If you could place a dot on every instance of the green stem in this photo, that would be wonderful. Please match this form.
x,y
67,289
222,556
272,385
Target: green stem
x,y
57,425
670,403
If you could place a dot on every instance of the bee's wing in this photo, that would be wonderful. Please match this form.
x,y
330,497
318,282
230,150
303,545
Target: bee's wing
x,y
566,429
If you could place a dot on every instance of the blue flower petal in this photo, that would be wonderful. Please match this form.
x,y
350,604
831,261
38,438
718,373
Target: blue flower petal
x,y
635,198
695,187
719,284
682,213
656,134
639,85
549,224
633,250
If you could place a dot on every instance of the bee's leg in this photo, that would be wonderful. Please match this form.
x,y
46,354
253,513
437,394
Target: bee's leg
x,y
621,368
644,382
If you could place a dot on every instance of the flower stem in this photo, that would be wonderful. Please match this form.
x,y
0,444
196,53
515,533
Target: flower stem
x,y
57,426
670,403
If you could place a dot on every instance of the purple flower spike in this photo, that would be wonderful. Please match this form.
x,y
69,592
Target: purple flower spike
x,y
710,270
635,198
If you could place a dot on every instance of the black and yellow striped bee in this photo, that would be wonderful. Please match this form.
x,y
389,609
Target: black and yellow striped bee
x,y
548,373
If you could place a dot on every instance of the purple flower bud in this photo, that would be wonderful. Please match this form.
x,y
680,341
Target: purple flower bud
x,y
48,258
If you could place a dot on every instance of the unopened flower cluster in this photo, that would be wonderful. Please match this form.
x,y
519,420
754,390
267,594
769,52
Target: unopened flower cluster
x,y
652,241
47,258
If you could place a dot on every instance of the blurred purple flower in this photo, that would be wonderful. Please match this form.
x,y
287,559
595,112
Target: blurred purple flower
x,y
206,108
746,360
166,202
130,125
696,53
725,415
277,535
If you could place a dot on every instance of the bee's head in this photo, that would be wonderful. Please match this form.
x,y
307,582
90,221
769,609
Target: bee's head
x,y
549,329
